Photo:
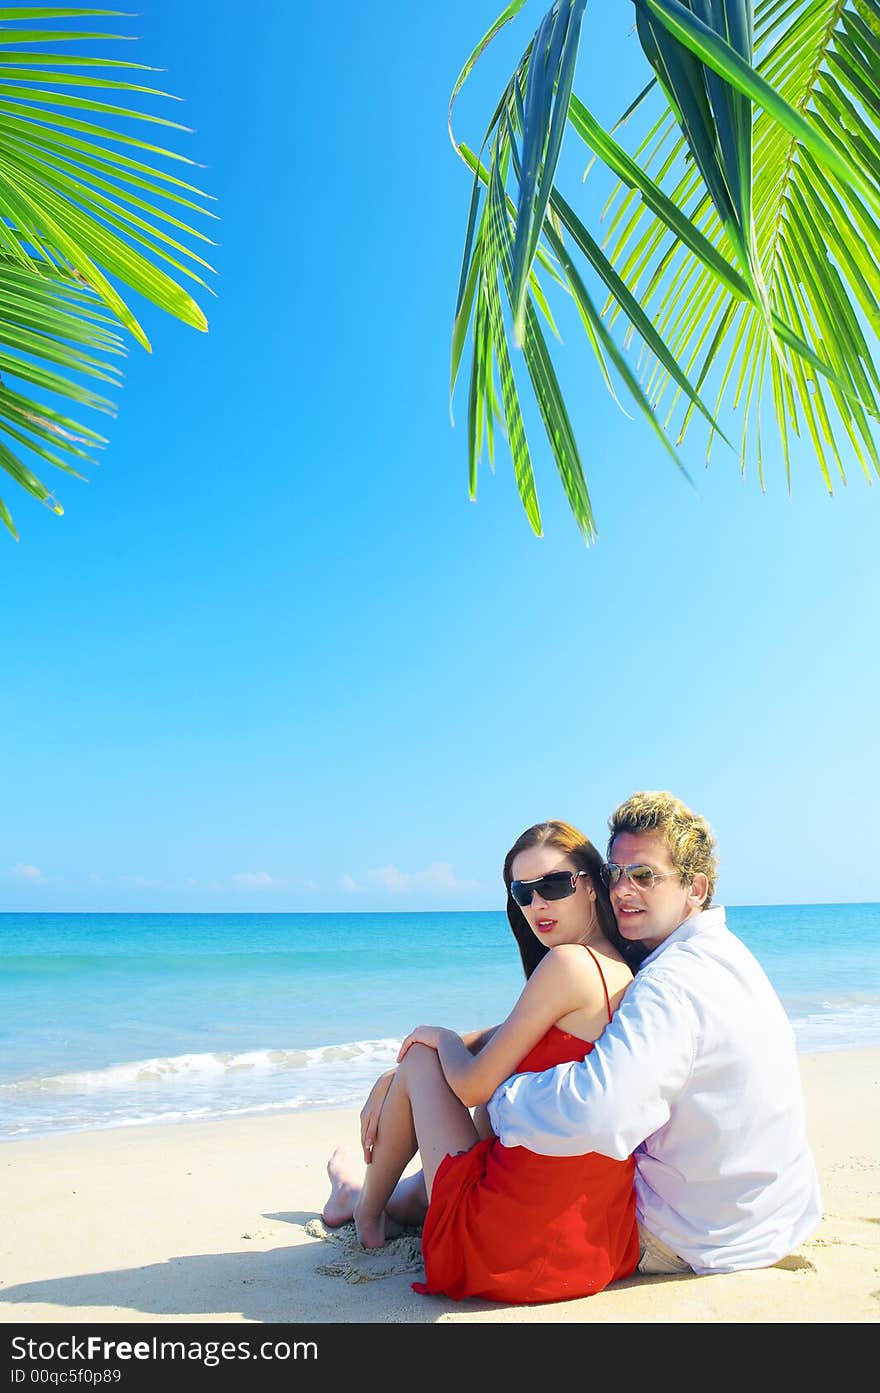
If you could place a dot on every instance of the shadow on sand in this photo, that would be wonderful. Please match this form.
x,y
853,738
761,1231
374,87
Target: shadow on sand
x,y
295,1284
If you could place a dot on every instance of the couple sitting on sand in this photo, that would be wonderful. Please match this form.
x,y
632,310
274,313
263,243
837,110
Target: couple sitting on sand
x,y
654,1121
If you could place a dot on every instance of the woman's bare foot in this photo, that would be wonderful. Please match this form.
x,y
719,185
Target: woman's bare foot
x,y
344,1205
373,1230
370,1228
345,1189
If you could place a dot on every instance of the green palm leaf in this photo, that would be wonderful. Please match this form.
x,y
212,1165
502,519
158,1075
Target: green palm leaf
x,y
87,210
550,74
733,268
490,263
818,276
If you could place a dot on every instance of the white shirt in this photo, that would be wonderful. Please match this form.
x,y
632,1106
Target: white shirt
x,y
697,1075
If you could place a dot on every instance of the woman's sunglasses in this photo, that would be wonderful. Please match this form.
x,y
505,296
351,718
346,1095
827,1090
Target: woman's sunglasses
x,y
558,885
642,877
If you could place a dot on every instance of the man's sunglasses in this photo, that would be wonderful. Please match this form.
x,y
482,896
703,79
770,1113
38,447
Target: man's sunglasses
x,y
642,877
558,885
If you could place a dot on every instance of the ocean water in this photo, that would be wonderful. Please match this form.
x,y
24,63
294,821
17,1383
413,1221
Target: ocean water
x,y
111,1020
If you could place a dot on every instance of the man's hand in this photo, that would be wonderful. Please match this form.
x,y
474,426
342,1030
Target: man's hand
x,y
371,1112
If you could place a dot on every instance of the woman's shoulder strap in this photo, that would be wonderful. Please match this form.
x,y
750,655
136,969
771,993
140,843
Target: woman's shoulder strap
x,y
602,975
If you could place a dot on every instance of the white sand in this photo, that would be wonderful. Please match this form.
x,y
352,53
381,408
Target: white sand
x,y
219,1222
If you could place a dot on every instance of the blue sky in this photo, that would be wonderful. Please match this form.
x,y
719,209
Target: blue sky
x,y
272,658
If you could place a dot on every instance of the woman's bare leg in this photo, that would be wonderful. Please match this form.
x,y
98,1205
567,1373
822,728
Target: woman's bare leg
x,y
407,1206
422,1113
409,1202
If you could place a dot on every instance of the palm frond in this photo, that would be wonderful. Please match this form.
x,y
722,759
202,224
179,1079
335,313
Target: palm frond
x,y
819,278
494,259
84,214
728,253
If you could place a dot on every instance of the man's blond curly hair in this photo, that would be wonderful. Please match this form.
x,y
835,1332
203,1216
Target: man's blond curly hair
x,y
687,835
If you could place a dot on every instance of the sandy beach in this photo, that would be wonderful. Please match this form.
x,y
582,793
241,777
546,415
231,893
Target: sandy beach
x,y
219,1222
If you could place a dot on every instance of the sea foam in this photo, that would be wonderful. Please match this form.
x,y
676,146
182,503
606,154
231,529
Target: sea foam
x,y
189,1086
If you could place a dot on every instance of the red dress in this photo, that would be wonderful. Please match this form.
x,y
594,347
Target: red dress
x,y
506,1224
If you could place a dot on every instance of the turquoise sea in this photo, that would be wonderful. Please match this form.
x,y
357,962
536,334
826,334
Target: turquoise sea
x,y
110,1020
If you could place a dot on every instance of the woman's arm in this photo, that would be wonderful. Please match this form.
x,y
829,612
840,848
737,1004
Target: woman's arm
x,y
565,979
371,1112
476,1040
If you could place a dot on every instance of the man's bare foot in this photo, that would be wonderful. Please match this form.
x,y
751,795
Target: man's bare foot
x,y
345,1189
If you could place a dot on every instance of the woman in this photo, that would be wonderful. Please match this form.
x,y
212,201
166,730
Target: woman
x,y
507,1224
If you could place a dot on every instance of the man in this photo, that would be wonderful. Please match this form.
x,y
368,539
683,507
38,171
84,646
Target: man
x,y
696,1074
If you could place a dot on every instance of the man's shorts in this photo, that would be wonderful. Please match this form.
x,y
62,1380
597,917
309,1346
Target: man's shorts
x,y
657,1258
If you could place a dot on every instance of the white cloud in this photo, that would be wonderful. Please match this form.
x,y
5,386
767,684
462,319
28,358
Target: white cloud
x,y
389,877
31,873
349,883
256,880
146,882
438,876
